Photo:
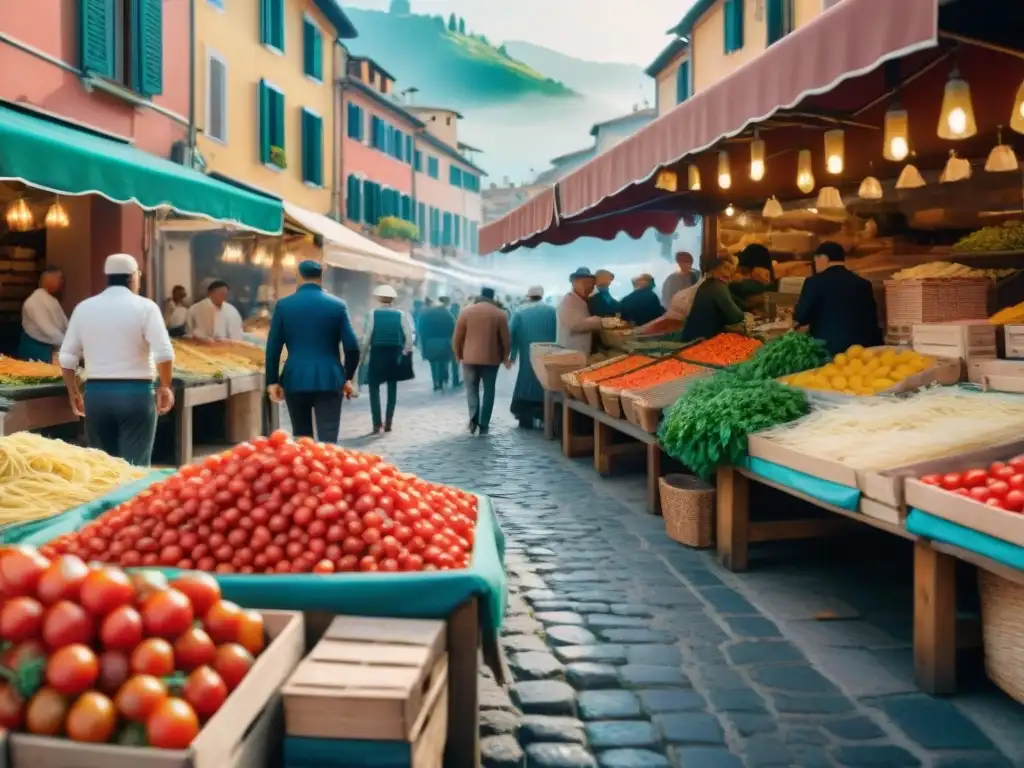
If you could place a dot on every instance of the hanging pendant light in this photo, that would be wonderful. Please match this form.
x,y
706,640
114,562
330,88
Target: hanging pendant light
x,y
957,169
772,208
896,141
870,189
724,174
830,200
956,121
232,254
57,216
834,151
729,210
910,178
288,261
1002,158
1017,116
19,216
804,172
756,158
693,178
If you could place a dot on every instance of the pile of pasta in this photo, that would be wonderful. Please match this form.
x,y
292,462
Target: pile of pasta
x,y
40,477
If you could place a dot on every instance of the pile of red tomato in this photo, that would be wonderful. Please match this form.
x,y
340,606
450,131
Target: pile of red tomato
x,y
277,505
1001,485
97,655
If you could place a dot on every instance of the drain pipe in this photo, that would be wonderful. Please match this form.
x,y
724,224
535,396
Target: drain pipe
x,y
192,83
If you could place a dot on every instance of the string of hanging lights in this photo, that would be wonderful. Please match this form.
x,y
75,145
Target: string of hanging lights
x,y
20,218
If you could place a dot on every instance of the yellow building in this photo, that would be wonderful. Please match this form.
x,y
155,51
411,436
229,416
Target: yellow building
x,y
265,73
671,73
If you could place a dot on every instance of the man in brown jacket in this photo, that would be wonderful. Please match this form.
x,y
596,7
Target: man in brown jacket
x,y
482,342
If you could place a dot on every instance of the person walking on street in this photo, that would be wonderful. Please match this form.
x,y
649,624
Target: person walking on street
x,y
125,345
43,322
388,343
576,323
313,326
437,327
482,342
456,375
534,323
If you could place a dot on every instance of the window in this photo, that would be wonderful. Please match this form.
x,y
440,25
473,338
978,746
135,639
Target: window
x,y
417,162
446,230
456,230
454,175
123,41
778,19
408,150
354,198
470,182
406,208
432,169
435,227
421,220
733,22
396,143
216,97
272,24
312,50
355,122
378,133
683,81
312,148
371,202
271,121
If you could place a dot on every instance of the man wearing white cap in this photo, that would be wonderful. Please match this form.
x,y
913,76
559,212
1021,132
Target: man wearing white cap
x,y
125,345
534,323
387,353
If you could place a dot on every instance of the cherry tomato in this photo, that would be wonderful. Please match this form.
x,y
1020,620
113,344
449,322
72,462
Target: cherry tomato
x,y
46,712
172,725
952,481
21,618
1014,500
980,493
961,492
998,489
114,670
223,622
139,696
1017,462
167,613
72,669
121,630
232,663
974,478
92,719
1001,471
194,648
105,589
205,692
994,502
12,707
18,655
66,623
62,579
148,581
20,571
251,632
201,589
153,656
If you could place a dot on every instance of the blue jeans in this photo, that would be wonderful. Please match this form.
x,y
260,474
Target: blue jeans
x,y
480,412
120,419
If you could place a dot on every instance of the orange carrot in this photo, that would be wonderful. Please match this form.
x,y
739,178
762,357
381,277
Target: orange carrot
x,y
723,349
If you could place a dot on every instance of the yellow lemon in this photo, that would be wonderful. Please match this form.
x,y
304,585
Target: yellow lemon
x,y
830,370
867,354
907,355
882,384
856,365
872,364
882,371
856,382
888,357
901,372
841,359
839,382
855,351
799,380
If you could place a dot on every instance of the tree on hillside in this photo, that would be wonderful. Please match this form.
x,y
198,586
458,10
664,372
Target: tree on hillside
x,y
439,21
452,25
503,50
462,26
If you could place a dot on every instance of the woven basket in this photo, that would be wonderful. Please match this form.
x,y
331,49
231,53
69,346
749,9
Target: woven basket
x,y
578,391
592,393
936,300
627,401
688,506
1002,626
611,402
550,362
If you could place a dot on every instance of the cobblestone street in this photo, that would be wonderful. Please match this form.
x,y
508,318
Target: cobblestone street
x,y
631,651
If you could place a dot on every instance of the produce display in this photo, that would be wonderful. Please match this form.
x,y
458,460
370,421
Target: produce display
x,y
790,353
947,269
1008,237
20,373
860,371
276,505
1000,485
217,358
619,367
41,477
94,655
724,349
1009,315
881,433
652,375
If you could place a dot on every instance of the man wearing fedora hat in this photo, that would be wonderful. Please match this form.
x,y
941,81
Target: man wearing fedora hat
x,y
576,325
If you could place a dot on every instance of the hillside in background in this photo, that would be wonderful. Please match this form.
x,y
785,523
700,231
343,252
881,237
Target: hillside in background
x,y
453,68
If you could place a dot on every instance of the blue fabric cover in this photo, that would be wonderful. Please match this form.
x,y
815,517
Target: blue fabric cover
x,y
345,753
837,495
938,529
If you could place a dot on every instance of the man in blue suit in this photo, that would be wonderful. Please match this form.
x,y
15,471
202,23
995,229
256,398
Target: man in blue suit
x,y
313,325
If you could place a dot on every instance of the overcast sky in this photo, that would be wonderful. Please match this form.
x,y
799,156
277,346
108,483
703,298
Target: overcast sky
x,y
631,31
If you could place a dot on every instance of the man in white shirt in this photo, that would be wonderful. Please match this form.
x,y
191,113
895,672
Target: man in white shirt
x,y
43,322
176,312
124,343
576,325
214,317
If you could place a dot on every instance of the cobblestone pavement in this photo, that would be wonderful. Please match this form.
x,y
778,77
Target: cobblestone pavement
x,y
631,651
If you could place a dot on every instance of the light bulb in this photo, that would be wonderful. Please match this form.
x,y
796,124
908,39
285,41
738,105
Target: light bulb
x,y
804,172
896,144
756,159
693,178
57,216
1017,113
729,210
957,118
724,175
957,121
898,148
834,151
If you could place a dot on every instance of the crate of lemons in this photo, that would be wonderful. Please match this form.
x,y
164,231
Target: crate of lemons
x,y
860,371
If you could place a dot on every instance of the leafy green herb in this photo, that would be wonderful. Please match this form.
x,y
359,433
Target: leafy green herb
x,y
790,353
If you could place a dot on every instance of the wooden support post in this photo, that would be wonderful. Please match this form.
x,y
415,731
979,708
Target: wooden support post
x,y
244,416
182,432
733,518
573,444
934,619
463,749
567,431
603,438
549,415
653,478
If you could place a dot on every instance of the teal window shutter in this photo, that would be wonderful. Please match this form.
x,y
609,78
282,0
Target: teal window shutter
x,y
353,208
406,208
733,12
265,120
367,201
683,82
456,230
446,235
272,23
417,160
312,50
312,148
147,47
408,149
421,220
277,121
96,32
432,167
455,175
778,19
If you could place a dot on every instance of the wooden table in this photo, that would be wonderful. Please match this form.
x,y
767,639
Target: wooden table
x,y
553,404
186,398
586,429
36,407
937,632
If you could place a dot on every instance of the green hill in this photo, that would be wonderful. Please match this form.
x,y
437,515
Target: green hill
x,y
448,67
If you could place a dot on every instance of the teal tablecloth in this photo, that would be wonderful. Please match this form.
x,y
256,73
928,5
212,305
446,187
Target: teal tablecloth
x,y
842,496
432,595
938,529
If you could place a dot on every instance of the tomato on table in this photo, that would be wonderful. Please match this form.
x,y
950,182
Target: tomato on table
x,y
46,713
121,629
166,613
62,579
1014,500
223,622
252,633
194,648
21,618
67,623
981,494
105,589
153,656
72,669
232,663
92,719
12,707
974,478
205,691
201,589
173,724
139,697
952,480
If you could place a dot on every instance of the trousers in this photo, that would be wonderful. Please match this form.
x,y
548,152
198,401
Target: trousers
x,y
439,373
325,407
456,381
389,413
120,419
480,410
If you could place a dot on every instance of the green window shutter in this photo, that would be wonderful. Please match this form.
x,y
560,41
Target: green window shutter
x,y
266,16
96,33
733,12
277,126
147,47
312,50
778,19
265,112
279,24
456,230
318,54
312,148
683,82
272,23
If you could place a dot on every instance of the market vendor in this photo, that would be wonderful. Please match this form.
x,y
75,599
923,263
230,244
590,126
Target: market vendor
x,y
576,323
122,338
755,274
601,302
642,305
215,317
43,322
684,277
836,305
176,312
714,308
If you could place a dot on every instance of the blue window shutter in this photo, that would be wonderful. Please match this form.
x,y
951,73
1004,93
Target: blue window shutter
x,y
277,124
147,47
446,235
96,33
421,220
361,122
733,12
264,100
455,175
778,19
312,148
683,82
456,229
408,149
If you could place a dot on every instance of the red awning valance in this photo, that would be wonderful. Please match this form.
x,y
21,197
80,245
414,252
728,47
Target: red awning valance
x,y
536,215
